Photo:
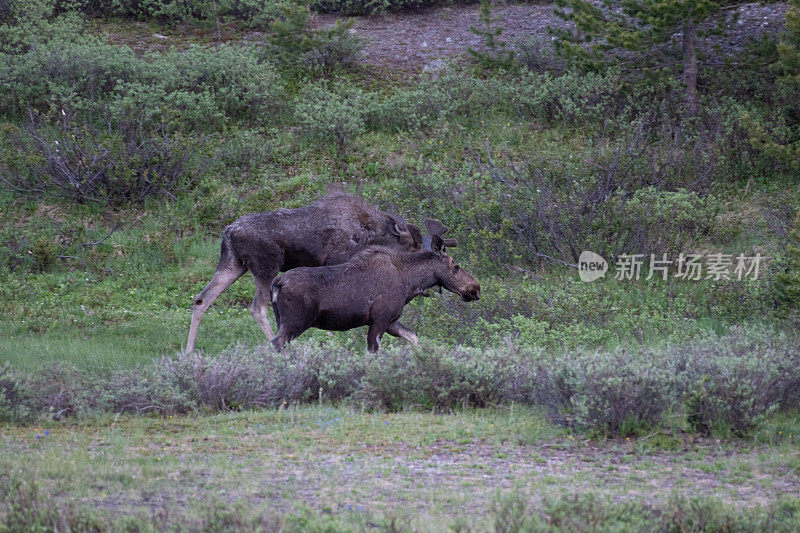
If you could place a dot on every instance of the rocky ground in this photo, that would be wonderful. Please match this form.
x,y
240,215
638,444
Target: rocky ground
x,y
427,39
411,41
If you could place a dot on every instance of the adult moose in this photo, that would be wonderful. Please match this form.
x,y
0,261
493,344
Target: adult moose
x,y
369,290
328,232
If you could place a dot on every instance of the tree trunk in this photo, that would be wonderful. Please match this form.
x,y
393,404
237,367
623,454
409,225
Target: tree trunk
x,y
690,66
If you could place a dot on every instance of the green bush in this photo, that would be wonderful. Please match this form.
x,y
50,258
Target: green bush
x,y
738,382
299,48
615,393
370,7
77,76
223,83
559,206
45,254
250,13
571,98
87,165
445,97
14,405
330,115
205,88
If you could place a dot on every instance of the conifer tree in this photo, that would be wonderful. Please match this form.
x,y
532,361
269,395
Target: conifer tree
x,y
642,29
787,283
786,146
496,54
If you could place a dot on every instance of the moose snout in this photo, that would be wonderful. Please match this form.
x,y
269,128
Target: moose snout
x,y
472,294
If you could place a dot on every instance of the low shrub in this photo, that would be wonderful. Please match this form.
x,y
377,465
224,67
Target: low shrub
x,y
147,390
437,99
22,509
301,49
330,115
370,7
251,13
14,405
118,166
77,75
60,391
213,85
787,281
537,53
615,393
593,512
444,379
722,384
197,88
571,98
737,382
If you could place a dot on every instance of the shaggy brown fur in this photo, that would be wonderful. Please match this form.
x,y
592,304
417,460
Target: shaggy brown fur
x,y
328,232
369,290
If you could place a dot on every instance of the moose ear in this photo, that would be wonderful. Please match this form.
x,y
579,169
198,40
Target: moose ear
x,y
397,226
435,227
450,242
437,244
416,235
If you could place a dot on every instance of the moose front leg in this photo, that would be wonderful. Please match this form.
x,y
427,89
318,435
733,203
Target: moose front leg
x,y
397,329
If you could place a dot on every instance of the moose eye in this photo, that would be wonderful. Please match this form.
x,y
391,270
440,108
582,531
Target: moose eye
x,y
457,268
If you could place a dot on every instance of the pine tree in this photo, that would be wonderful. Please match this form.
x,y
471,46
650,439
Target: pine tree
x,y
496,54
643,29
786,147
787,283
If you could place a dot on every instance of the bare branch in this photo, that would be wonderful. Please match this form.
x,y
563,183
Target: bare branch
x,y
115,228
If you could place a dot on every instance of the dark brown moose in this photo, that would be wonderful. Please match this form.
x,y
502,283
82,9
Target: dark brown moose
x,y
328,232
369,290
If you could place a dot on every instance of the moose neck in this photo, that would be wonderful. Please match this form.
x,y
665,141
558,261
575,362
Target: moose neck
x,y
420,272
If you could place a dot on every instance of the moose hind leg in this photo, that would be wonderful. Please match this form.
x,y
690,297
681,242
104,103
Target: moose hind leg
x,y
258,309
374,334
223,278
397,329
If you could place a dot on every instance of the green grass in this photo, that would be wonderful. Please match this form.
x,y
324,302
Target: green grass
x,y
126,301
345,463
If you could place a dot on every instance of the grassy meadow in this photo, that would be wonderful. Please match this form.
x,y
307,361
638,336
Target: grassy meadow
x,y
132,133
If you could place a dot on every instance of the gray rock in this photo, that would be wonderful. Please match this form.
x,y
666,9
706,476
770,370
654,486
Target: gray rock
x,y
435,66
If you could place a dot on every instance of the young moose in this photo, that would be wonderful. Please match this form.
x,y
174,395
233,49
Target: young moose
x,y
369,290
328,232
